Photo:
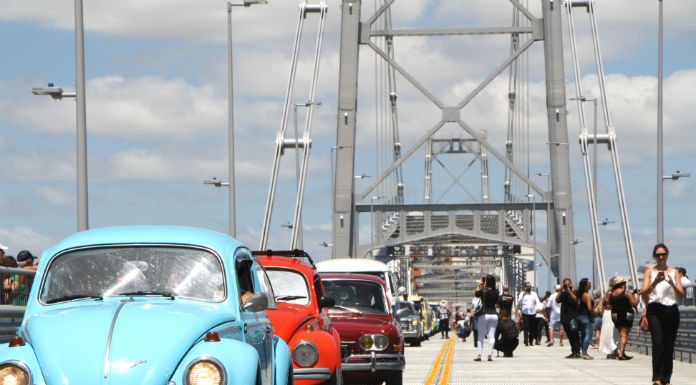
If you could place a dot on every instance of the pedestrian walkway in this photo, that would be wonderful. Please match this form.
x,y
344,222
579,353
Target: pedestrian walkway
x,y
431,364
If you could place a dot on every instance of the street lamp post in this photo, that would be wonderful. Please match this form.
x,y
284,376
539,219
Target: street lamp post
x,y
230,112
81,116
660,166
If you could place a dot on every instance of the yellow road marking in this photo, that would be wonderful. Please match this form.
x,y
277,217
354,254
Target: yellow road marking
x,y
432,375
444,378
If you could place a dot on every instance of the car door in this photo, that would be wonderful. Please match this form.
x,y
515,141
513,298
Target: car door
x,y
255,323
264,286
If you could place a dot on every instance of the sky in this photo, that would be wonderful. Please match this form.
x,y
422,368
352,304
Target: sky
x,y
157,115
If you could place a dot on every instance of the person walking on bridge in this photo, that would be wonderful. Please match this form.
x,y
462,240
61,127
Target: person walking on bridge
x,y
553,310
621,302
528,301
488,321
569,311
662,288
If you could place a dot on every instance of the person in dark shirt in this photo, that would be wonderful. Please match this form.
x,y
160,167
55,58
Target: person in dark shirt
x,y
505,301
506,334
488,321
569,311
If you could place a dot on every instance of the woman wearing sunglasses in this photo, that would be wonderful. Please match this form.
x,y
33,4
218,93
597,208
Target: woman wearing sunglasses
x,y
661,291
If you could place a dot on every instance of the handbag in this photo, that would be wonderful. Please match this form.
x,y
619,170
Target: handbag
x,y
574,325
644,326
478,310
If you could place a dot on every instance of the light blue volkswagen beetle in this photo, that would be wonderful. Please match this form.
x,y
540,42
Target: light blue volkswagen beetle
x,y
147,305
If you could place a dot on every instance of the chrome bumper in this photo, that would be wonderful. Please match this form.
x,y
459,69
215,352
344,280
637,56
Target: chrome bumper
x,y
377,362
410,333
311,374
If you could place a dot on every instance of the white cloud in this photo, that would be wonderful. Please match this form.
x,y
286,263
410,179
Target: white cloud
x,y
24,238
57,197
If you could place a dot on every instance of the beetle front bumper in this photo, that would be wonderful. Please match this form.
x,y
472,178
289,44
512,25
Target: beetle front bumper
x,y
373,362
311,374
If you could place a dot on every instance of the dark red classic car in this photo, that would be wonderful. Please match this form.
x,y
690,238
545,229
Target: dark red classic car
x,y
372,346
298,318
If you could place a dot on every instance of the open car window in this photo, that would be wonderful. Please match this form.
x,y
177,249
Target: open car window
x,y
134,270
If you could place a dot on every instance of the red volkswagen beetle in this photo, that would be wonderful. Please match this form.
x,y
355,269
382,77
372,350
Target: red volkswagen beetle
x,y
372,346
298,317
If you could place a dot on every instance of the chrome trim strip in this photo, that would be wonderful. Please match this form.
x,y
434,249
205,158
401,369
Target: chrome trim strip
x,y
214,360
311,374
107,361
21,365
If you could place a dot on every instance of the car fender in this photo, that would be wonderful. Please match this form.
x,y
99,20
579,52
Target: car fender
x,y
25,355
239,360
328,347
283,362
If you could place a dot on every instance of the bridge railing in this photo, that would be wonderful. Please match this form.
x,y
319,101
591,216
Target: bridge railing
x,y
16,285
685,346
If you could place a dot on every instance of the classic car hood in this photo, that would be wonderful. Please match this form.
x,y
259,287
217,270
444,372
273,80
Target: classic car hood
x,y
286,320
350,328
149,339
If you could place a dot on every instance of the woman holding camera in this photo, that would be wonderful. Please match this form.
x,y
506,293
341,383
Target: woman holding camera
x,y
662,289
488,321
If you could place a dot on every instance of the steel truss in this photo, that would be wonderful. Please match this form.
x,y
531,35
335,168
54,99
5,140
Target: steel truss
x,y
354,33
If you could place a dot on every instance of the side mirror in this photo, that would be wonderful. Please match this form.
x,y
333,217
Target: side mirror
x,y
325,302
256,303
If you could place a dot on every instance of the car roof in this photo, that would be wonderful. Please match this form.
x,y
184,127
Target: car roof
x,y
341,265
281,261
180,235
352,277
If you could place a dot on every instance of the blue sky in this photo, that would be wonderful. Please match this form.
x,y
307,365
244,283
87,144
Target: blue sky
x,y
156,114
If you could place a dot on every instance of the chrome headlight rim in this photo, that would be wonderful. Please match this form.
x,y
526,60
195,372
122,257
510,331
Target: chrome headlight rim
x,y
384,339
21,366
372,338
212,360
303,344
366,338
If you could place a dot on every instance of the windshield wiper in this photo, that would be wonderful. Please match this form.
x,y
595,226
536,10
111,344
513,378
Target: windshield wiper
x,y
350,309
149,292
289,297
73,297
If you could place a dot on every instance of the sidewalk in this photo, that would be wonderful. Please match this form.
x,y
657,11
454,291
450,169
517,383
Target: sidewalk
x,y
535,365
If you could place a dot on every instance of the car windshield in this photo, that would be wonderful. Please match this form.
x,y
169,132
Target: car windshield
x,y
356,296
289,286
134,270
407,309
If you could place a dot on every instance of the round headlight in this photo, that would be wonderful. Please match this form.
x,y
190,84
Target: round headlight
x,y
305,354
381,342
13,375
366,342
205,372
414,322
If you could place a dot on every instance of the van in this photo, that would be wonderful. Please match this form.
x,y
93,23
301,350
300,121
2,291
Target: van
x,y
365,266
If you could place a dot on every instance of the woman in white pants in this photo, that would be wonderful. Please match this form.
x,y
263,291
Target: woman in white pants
x,y
488,321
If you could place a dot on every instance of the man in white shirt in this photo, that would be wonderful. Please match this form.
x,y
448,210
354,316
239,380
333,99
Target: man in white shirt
x,y
553,309
527,301
688,290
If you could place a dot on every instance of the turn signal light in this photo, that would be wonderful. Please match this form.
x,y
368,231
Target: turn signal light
x,y
16,341
212,337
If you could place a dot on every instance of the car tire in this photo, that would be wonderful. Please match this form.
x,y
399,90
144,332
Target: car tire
x,y
396,378
416,342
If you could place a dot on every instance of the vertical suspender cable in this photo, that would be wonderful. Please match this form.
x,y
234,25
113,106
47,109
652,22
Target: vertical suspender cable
x,y
297,227
592,205
628,240
280,137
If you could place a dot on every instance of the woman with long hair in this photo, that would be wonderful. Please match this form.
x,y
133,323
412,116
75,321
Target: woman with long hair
x,y
488,321
585,316
661,291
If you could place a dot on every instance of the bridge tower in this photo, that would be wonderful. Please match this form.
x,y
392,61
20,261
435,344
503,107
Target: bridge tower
x,y
503,221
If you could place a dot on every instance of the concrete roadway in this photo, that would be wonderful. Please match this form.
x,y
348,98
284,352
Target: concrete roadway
x,y
442,362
